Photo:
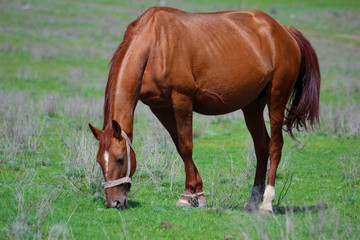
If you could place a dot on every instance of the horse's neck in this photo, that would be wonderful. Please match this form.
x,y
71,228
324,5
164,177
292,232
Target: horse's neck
x,y
123,107
126,95
126,88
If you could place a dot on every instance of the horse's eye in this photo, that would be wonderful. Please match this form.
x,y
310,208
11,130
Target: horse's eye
x,y
120,161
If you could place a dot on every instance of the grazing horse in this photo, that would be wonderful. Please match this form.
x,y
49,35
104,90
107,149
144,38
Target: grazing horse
x,y
211,63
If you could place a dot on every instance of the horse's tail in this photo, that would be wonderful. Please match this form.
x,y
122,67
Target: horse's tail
x,y
303,107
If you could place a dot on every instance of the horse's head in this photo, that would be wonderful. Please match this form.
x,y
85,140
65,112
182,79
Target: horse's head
x,y
118,163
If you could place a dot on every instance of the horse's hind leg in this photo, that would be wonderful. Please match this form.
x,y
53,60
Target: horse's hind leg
x,y
254,119
178,122
277,97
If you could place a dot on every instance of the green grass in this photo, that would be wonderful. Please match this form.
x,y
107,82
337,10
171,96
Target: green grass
x,y
53,68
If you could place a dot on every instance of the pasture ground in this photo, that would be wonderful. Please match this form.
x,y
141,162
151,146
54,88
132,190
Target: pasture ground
x,y
53,68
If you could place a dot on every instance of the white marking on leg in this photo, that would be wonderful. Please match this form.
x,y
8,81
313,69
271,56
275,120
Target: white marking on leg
x,y
106,157
269,197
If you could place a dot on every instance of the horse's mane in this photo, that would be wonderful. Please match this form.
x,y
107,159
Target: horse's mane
x,y
115,63
114,70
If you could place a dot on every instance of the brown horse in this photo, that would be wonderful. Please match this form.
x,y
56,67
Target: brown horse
x,y
211,63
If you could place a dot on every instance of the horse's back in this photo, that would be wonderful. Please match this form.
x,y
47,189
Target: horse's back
x,y
225,59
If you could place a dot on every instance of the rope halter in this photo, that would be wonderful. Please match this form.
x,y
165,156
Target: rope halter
x,y
126,179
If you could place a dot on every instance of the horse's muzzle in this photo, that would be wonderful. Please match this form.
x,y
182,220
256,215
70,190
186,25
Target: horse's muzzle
x,y
116,203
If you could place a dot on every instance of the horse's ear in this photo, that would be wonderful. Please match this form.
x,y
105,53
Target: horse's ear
x,y
97,132
117,129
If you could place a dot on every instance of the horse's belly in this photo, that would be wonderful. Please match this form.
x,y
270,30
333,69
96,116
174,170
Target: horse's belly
x,y
230,82
226,98
209,103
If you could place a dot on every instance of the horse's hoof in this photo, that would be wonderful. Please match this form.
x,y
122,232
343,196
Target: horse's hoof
x,y
182,203
265,212
202,202
251,208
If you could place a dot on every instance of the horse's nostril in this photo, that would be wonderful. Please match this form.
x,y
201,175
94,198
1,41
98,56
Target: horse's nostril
x,y
115,204
118,204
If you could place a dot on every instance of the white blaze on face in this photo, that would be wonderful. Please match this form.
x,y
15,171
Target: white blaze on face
x,y
106,157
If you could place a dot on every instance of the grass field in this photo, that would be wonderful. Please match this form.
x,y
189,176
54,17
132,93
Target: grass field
x,y
53,68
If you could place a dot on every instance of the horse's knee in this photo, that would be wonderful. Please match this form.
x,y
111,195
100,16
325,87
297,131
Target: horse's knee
x,y
185,149
262,152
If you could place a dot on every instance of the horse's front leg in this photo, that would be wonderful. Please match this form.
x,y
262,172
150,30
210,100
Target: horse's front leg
x,y
178,122
183,112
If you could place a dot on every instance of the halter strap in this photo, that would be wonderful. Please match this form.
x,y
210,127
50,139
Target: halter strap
x,y
126,179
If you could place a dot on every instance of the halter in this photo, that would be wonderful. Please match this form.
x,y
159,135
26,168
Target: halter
x,y
126,179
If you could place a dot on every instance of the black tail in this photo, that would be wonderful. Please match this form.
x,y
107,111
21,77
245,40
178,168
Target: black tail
x,y
304,101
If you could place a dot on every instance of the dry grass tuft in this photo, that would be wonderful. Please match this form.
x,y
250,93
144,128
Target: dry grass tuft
x,y
50,104
227,184
58,231
340,120
31,213
351,170
81,167
80,106
320,224
157,157
21,126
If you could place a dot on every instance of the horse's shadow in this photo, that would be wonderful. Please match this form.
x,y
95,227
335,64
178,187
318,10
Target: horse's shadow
x,y
282,210
131,204
134,204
